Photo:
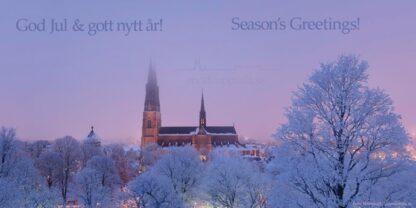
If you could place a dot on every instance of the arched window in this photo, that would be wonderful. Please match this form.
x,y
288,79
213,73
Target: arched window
x,y
149,124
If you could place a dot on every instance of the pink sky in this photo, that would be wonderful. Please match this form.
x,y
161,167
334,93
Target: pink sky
x,y
61,84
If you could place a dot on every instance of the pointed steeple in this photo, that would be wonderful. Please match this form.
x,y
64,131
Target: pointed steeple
x,y
151,102
92,133
151,77
202,114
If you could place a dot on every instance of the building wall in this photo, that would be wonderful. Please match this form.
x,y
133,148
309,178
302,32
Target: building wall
x,y
176,140
150,133
224,139
202,143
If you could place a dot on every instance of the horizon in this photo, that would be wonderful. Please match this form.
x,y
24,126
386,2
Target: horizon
x,y
61,84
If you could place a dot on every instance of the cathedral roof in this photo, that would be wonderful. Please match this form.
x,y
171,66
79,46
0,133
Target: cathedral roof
x,y
193,129
177,130
221,129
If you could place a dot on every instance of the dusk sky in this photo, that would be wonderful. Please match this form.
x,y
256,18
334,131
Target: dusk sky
x,y
52,85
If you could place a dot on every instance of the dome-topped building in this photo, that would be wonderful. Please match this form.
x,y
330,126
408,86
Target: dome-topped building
x,y
93,138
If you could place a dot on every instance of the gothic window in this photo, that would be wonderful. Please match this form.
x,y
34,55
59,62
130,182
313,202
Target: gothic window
x,y
149,124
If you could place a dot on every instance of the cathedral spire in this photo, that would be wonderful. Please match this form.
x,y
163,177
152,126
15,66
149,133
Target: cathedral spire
x,y
151,77
202,114
151,102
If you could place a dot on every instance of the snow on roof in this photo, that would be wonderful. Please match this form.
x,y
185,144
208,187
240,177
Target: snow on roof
x,y
189,130
132,147
92,136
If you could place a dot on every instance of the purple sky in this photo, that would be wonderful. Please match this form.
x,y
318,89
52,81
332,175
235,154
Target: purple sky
x,y
61,84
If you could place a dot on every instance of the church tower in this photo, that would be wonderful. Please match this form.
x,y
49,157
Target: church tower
x,y
152,120
202,140
202,118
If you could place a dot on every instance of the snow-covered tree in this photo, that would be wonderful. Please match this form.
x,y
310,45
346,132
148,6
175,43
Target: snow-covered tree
x,y
133,162
151,190
49,165
38,147
341,138
106,170
30,189
98,182
90,189
126,162
183,168
399,190
257,189
8,150
23,187
149,155
232,181
20,182
89,150
8,193
68,151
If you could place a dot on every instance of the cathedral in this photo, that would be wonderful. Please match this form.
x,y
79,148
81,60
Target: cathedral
x,y
202,136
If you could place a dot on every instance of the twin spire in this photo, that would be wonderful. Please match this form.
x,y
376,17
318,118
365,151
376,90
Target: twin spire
x,y
152,103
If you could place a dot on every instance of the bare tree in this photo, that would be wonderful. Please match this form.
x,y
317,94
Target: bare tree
x,y
257,188
68,150
126,162
8,150
342,137
38,147
49,165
